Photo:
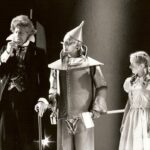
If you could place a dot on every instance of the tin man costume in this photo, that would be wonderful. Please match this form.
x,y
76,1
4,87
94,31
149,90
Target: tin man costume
x,y
77,93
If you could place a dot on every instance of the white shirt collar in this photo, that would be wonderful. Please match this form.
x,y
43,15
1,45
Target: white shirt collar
x,y
30,39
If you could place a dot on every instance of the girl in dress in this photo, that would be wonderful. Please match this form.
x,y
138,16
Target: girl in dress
x,y
135,128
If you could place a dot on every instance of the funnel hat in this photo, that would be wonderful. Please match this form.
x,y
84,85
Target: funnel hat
x,y
75,33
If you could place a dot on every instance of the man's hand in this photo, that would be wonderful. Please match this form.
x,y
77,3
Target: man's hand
x,y
95,114
41,107
11,46
9,52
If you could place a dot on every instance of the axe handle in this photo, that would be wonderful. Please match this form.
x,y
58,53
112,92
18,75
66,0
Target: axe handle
x,y
115,111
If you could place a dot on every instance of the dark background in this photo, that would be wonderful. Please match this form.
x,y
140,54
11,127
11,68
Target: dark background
x,y
112,30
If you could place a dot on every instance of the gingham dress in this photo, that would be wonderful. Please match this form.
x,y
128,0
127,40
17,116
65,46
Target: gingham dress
x,y
135,134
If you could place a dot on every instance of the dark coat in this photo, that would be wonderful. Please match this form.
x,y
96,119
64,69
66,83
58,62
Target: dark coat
x,y
37,86
36,64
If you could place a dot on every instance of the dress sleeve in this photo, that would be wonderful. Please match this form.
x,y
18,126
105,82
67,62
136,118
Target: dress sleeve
x,y
127,85
148,86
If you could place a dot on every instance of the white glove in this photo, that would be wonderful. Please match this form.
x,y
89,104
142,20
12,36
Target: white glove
x,y
41,106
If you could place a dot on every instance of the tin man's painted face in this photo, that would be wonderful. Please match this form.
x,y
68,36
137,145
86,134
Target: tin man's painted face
x,y
72,47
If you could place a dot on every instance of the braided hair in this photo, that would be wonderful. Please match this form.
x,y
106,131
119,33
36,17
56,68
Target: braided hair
x,y
141,57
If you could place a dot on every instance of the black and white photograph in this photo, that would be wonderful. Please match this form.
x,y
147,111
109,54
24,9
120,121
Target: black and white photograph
x,y
75,75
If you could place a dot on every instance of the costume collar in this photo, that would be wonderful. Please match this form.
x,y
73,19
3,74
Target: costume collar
x,y
76,61
30,39
86,63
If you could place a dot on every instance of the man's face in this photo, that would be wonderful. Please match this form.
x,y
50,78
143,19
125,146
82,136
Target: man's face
x,y
21,35
72,48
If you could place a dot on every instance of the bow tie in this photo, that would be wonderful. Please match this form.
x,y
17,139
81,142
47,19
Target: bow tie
x,y
21,48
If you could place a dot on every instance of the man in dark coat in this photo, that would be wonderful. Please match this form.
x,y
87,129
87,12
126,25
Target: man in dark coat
x,y
23,80
77,94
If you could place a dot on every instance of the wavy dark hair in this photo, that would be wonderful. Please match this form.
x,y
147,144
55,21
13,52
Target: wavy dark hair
x,y
22,21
